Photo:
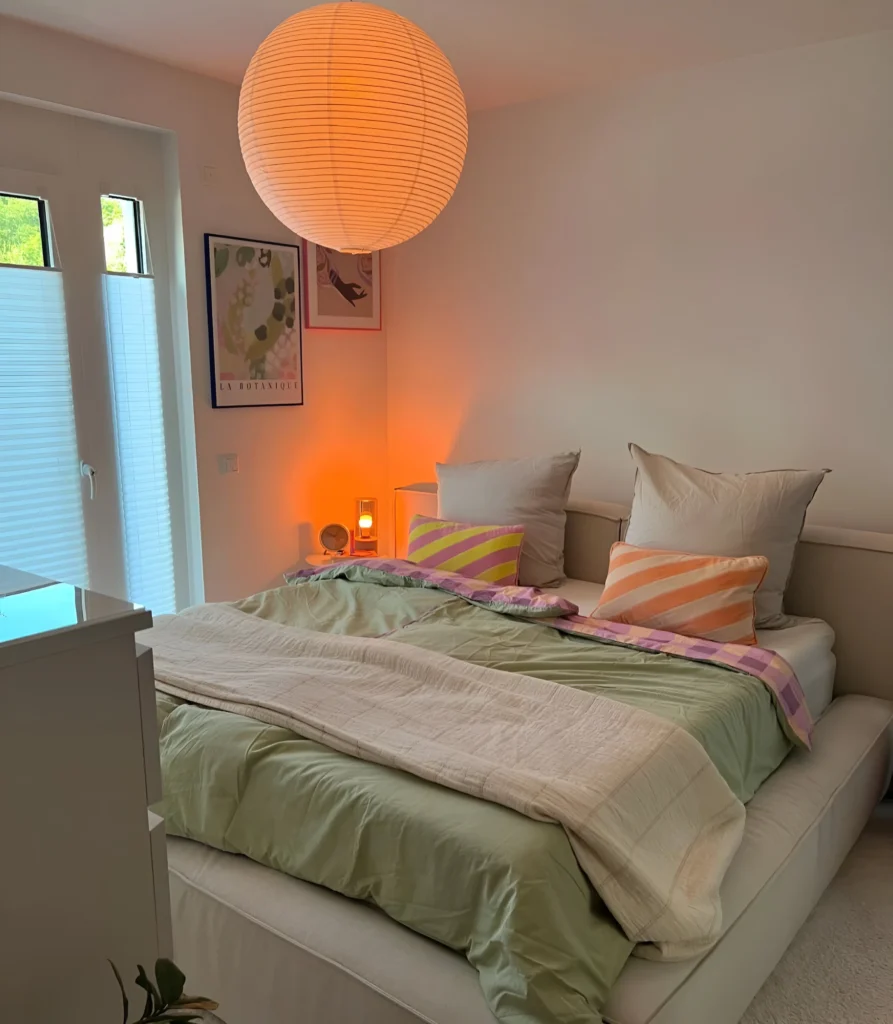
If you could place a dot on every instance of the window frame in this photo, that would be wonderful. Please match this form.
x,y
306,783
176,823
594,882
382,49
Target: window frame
x,y
139,234
44,225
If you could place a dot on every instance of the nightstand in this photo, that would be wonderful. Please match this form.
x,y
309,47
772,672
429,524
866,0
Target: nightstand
x,y
328,558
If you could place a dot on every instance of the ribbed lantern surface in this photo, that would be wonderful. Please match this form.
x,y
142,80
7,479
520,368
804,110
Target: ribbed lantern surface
x,y
353,126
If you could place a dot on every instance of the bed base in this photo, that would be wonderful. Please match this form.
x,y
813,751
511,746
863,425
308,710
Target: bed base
x,y
275,950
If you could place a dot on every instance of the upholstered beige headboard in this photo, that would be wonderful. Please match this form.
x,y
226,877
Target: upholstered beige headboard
x,y
842,576
846,578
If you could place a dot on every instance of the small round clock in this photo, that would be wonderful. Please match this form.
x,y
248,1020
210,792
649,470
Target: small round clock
x,y
334,538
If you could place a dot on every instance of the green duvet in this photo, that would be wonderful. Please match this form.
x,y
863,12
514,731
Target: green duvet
x,y
500,888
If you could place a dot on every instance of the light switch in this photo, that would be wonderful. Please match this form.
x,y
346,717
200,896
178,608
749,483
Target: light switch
x,y
228,463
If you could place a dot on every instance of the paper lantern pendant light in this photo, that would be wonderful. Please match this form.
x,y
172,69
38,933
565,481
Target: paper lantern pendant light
x,y
353,126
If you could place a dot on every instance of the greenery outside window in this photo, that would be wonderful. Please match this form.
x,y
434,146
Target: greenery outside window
x,y
24,235
122,232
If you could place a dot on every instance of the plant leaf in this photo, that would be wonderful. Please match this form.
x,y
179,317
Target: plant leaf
x,y
153,999
258,349
171,1017
170,980
196,1003
124,999
221,258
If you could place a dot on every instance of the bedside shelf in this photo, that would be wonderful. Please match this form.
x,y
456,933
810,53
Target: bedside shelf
x,y
332,559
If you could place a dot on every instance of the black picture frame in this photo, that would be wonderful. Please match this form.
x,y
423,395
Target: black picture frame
x,y
229,392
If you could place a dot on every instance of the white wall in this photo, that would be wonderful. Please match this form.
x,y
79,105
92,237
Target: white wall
x,y
701,264
298,465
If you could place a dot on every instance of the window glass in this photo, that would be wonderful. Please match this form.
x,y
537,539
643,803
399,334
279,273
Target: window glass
x,y
122,233
41,509
23,233
132,331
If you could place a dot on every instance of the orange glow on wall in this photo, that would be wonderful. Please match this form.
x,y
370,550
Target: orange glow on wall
x,y
353,126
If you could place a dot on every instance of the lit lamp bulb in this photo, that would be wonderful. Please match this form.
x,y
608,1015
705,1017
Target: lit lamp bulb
x,y
365,539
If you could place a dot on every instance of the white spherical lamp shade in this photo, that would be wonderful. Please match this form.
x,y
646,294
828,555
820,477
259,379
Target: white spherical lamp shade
x,y
353,126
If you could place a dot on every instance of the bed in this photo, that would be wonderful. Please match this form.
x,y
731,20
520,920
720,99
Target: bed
x,y
275,949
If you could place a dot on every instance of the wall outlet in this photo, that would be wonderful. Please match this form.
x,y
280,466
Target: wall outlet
x,y
209,174
228,463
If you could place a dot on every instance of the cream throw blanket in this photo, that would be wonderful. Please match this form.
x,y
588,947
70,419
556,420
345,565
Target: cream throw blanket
x,y
651,821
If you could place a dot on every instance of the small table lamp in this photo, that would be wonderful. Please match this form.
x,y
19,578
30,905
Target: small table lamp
x,y
364,536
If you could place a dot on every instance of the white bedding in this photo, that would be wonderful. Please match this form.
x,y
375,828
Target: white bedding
x,y
806,646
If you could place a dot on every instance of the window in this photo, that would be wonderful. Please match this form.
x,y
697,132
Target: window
x,y
42,513
132,332
24,236
122,230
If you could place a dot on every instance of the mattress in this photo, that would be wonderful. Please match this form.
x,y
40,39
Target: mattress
x,y
264,944
806,645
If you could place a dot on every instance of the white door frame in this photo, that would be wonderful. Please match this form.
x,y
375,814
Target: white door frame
x,y
92,159
80,263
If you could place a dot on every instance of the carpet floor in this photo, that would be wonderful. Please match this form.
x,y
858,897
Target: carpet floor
x,y
839,969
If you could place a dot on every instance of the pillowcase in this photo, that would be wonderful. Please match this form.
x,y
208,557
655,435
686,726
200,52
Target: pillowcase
x,y
696,595
680,508
490,553
530,492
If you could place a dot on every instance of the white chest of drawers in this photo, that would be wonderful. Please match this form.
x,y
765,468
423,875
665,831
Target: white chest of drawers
x,y
83,869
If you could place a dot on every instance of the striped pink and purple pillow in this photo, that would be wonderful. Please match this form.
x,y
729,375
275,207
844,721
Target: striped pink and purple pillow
x,y
490,553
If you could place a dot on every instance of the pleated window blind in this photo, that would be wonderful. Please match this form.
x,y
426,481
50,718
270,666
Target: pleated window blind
x,y
41,509
132,333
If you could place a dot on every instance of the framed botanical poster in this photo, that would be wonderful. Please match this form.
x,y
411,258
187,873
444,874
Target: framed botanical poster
x,y
342,291
254,323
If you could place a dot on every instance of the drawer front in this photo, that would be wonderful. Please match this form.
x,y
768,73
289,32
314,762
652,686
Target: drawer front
x,y
146,673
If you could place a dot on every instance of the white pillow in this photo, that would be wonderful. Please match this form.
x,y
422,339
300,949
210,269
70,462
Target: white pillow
x,y
515,492
680,508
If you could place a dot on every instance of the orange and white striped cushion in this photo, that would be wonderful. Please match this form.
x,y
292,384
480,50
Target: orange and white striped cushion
x,y
695,595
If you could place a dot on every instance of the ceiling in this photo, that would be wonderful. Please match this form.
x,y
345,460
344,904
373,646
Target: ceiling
x,y
504,51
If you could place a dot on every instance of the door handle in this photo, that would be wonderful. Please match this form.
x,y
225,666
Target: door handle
x,y
90,473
